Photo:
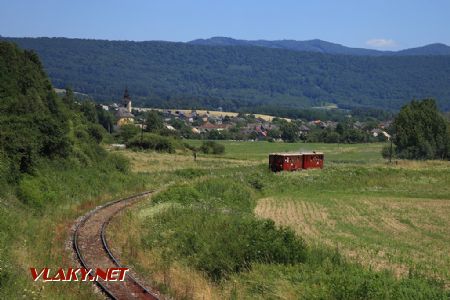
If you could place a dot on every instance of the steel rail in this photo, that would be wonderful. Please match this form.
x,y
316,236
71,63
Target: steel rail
x,y
106,248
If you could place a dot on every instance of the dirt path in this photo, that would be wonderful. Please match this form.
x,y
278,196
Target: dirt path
x,y
92,250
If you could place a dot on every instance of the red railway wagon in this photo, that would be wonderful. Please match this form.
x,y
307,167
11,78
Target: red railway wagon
x,y
295,161
285,161
312,160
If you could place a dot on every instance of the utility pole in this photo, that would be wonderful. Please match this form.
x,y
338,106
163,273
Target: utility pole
x,y
390,151
142,132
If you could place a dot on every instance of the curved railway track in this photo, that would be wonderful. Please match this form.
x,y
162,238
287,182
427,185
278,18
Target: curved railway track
x,y
91,248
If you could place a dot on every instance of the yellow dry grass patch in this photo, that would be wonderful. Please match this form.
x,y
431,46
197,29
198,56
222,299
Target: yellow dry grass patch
x,y
163,162
216,113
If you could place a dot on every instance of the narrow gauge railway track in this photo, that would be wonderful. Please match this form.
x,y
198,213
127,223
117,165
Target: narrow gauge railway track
x,y
91,248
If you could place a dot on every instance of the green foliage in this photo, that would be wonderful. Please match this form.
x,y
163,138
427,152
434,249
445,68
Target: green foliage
x,y
210,226
389,152
214,229
153,121
47,187
421,132
40,130
327,275
150,141
33,121
193,76
212,147
105,118
128,132
96,132
32,192
89,111
120,163
211,193
4,172
190,173
289,132
226,243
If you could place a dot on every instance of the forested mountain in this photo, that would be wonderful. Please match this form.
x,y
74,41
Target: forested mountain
x,y
432,49
308,46
322,47
185,75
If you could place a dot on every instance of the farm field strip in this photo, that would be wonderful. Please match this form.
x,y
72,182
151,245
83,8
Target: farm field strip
x,y
393,233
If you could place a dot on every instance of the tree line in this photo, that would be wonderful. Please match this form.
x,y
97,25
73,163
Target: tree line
x,y
163,74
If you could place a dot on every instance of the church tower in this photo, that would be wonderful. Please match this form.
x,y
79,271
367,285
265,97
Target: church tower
x,y
126,100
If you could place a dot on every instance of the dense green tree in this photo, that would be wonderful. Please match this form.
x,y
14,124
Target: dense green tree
x,y
128,132
69,98
153,121
89,111
35,124
105,118
274,133
214,135
420,131
289,132
33,120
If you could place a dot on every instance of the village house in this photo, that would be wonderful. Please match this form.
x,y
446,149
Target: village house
x,y
303,130
376,132
206,127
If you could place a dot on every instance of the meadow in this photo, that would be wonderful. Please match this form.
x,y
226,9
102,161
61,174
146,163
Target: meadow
x,y
223,226
226,227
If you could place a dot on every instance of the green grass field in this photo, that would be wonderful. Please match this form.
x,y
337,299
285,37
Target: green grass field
x,y
358,228
388,222
335,153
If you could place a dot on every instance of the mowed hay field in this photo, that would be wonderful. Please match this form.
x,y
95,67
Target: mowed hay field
x,y
380,216
394,217
391,233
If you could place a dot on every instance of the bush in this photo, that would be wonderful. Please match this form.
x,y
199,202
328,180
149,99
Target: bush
x,y
212,147
31,192
120,162
215,193
226,243
5,172
96,132
386,152
183,194
190,173
128,132
151,141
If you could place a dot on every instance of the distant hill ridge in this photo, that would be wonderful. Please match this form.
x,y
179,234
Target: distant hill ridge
x,y
317,45
186,75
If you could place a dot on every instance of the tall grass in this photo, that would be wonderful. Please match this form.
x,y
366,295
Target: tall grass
x,y
207,226
35,226
221,244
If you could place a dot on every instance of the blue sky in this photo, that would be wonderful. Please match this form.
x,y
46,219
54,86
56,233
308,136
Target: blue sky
x,y
383,24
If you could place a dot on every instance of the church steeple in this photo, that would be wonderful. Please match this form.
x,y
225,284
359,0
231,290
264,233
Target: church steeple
x,y
126,100
126,95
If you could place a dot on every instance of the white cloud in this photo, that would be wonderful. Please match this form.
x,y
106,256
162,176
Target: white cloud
x,y
381,43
